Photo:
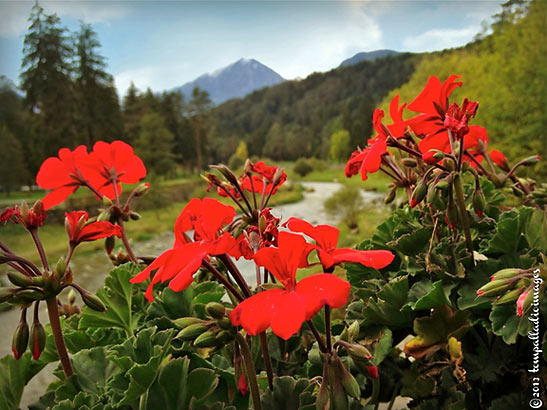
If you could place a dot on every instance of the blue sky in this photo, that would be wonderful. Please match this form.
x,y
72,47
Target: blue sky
x,y
163,44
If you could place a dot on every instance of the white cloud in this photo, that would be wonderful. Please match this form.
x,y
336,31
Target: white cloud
x,y
14,14
325,46
439,39
88,11
158,77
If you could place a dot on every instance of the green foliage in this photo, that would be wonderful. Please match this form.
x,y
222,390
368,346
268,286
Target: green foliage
x,y
346,203
340,146
155,145
13,172
302,167
289,394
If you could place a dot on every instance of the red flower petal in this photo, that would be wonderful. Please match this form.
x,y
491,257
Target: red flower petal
x,y
288,315
255,313
326,236
373,259
320,290
424,101
57,196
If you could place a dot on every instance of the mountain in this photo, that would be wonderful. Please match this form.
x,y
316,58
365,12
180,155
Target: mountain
x,y
234,81
367,56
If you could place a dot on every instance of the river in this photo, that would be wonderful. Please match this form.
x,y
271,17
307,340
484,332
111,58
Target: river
x,y
90,271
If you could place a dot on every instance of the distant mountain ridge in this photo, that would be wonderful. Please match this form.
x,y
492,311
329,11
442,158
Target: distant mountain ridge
x,y
234,81
367,56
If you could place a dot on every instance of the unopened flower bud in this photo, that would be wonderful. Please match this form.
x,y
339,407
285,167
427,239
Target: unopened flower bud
x,y
223,336
104,215
20,337
390,196
107,201
262,223
134,215
348,381
418,194
248,167
30,295
505,274
60,267
533,160
215,310
224,323
450,164
372,371
438,155
71,296
205,339
142,189
358,351
479,201
92,301
278,175
524,301
409,162
353,330
242,385
339,397
37,341
509,297
192,331
227,173
494,288
183,322
322,402
19,279
451,216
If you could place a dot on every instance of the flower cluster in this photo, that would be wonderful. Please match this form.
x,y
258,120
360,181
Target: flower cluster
x,y
101,171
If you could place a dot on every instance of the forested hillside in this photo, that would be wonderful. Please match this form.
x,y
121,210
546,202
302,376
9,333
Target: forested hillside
x,y
506,72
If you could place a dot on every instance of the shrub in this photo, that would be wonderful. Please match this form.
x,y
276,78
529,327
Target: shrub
x,y
303,167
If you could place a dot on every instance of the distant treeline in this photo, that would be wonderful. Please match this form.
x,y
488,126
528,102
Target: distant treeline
x,y
69,99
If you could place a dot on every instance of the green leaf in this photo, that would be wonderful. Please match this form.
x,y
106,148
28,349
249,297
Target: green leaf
x,y
416,385
434,331
381,340
388,306
14,376
93,369
413,242
202,382
509,402
535,230
289,394
509,232
117,297
507,324
425,295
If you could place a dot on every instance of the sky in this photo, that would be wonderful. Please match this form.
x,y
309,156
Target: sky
x,y
164,44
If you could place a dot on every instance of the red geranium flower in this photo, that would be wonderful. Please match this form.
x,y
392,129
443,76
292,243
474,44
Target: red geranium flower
x,y
79,230
441,142
284,310
367,160
33,217
326,238
432,102
62,175
206,217
499,159
111,164
398,128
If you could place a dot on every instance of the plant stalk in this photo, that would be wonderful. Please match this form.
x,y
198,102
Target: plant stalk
x,y
126,242
53,313
249,370
460,201
267,358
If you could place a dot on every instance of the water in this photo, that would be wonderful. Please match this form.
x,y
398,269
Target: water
x,y
90,271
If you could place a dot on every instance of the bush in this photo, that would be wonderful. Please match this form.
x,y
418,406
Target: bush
x,y
347,203
303,167
235,162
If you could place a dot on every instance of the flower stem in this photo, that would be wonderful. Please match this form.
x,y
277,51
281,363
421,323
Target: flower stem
x,y
318,337
38,243
327,328
460,201
249,370
267,358
53,313
126,242
222,280
230,265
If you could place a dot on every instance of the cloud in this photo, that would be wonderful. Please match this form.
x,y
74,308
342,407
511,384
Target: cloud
x,y
157,77
14,14
325,46
89,11
439,39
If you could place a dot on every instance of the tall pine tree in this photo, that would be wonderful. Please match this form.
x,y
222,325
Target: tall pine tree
x,y
45,79
99,115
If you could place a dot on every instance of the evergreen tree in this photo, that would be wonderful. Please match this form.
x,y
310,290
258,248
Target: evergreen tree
x,y
133,110
99,115
198,109
340,147
46,81
13,172
155,145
